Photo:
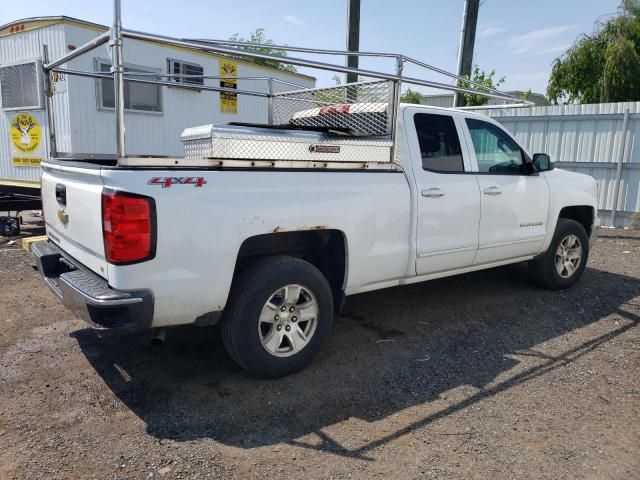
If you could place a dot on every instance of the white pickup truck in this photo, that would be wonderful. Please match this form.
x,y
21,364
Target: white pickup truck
x,y
267,230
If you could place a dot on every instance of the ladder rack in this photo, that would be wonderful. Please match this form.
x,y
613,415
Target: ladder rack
x,y
372,105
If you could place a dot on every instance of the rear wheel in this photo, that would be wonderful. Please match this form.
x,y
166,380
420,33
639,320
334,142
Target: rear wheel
x,y
279,314
565,260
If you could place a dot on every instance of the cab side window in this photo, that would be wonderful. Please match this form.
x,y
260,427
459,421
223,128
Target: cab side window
x,y
439,143
496,151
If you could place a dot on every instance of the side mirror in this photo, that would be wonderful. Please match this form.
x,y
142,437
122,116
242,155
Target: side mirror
x,y
542,162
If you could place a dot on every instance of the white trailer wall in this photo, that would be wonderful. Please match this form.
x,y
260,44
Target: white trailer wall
x,y
93,128
83,126
588,139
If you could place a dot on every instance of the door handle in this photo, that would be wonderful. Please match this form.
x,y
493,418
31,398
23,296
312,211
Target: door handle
x,y
432,193
493,190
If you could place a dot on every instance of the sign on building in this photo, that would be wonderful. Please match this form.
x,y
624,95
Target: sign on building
x,y
25,134
228,100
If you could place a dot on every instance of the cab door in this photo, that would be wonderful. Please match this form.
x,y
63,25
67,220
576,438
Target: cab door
x,y
514,200
448,207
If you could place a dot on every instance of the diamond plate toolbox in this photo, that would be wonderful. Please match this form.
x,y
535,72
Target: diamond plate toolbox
x,y
232,142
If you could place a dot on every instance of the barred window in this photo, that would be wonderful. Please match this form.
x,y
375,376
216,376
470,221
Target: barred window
x,y
178,67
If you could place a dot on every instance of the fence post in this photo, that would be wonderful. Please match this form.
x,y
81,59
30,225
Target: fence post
x,y
621,154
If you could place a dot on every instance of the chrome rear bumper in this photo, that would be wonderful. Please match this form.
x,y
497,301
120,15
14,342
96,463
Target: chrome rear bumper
x,y
89,296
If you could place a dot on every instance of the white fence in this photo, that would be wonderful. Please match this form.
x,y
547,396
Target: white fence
x,y
601,140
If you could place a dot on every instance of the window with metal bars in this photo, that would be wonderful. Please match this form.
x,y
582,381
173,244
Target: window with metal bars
x,y
178,67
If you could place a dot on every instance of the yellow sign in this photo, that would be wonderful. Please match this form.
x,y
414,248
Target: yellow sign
x,y
228,100
26,161
25,133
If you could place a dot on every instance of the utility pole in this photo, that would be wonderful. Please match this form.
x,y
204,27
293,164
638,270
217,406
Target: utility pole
x,y
467,42
353,36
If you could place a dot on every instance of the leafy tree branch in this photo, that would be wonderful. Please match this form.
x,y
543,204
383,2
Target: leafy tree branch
x,y
258,36
603,66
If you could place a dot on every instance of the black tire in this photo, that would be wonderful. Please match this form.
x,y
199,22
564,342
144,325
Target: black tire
x,y
543,269
249,294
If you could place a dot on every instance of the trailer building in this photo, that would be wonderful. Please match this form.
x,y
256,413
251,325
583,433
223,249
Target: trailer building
x,y
83,113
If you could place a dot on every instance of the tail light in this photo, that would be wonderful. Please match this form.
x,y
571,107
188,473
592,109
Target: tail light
x,y
128,227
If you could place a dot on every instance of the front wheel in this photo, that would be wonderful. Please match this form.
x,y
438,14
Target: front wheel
x,y
565,260
279,313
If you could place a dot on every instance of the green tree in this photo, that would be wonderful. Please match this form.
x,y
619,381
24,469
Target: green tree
x,y
481,81
259,37
603,66
411,96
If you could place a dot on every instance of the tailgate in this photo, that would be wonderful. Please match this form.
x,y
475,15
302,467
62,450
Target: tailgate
x,y
72,207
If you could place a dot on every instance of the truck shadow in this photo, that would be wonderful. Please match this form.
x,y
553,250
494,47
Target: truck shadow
x,y
390,350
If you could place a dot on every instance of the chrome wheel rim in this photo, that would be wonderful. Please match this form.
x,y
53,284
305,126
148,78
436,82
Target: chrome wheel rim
x,y
288,320
568,256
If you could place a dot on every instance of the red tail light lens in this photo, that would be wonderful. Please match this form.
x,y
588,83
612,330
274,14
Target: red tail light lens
x,y
128,227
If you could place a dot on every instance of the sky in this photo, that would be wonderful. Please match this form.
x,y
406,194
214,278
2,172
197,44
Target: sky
x,y
518,38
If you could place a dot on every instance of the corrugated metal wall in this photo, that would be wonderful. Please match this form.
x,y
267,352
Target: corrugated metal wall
x,y
445,100
588,139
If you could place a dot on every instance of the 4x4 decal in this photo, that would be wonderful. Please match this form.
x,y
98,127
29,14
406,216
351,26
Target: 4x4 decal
x,y
166,182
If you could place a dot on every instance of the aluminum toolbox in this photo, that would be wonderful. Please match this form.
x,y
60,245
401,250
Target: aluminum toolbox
x,y
232,142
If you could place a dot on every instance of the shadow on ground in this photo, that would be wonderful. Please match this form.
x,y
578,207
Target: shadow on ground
x,y
390,350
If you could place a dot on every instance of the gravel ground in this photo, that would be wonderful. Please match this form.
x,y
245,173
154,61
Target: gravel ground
x,y
476,376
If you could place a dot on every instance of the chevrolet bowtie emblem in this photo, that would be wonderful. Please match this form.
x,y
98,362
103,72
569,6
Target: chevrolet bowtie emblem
x,y
63,216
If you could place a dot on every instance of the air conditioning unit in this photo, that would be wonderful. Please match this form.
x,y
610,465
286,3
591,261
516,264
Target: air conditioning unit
x,y
21,86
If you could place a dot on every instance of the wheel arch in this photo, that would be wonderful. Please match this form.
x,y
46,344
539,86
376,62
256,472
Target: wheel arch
x,y
583,214
326,249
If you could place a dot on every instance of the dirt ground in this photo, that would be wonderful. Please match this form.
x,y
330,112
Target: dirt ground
x,y
477,376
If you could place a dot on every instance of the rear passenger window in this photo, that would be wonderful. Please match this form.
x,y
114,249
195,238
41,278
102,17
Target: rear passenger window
x,y
439,143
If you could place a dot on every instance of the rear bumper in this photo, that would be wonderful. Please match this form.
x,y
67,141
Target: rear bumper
x,y
594,232
89,296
